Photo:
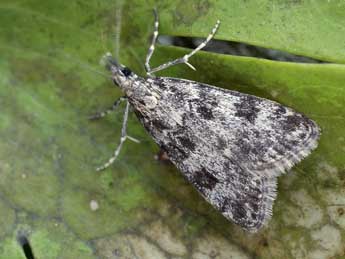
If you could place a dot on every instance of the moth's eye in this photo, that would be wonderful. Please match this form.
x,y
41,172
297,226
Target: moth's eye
x,y
126,72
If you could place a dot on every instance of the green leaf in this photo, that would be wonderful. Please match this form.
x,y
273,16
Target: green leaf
x,y
49,188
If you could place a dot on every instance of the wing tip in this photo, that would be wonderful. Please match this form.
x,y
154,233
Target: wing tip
x,y
270,195
309,145
271,176
297,155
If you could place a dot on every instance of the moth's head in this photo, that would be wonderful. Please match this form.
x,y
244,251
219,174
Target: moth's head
x,y
120,73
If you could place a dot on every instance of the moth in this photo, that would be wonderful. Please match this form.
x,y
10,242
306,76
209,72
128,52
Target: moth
x,y
229,145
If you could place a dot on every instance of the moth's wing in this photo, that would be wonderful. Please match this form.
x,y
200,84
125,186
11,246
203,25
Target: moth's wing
x,y
230,146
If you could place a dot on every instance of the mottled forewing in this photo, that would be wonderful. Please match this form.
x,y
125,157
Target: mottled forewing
x,y
230,146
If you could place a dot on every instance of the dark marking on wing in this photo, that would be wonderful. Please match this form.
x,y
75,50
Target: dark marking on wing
x,y
205,112
204,180
187,143
175,152
281,110
247,108
221,143
293,121
159,124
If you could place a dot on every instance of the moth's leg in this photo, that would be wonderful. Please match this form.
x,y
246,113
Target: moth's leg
x,y
124,136
153,43
186,57
102,114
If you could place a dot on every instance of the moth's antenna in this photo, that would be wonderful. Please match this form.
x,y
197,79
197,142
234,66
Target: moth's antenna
x,y
118,18
103,41
85,66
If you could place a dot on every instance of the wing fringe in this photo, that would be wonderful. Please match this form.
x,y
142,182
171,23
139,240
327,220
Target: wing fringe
x,y
279,168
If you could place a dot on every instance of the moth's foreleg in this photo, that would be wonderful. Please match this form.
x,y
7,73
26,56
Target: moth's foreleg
x,y
153,43
124,136
186,57
102,114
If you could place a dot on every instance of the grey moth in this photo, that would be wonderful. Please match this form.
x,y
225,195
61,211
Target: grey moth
x,y
229,145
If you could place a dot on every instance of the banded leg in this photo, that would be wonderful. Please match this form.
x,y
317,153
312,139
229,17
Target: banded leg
x,y
102,114
186,57
153,43
124,136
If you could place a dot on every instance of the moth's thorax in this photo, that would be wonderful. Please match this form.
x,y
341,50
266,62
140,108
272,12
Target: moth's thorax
x,y
121,77
138,89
